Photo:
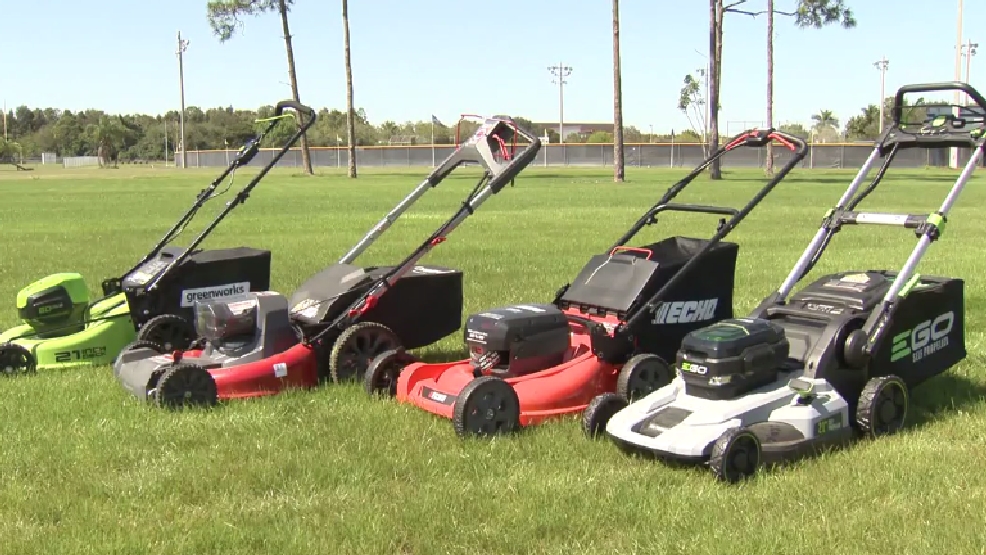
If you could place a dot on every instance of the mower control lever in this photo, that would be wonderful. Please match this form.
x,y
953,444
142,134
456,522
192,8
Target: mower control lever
x,y
247,152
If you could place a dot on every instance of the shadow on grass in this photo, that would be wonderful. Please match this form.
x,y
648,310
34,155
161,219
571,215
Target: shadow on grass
x,y
942,396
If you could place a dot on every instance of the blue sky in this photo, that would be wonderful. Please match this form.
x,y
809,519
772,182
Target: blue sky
x,y
414,58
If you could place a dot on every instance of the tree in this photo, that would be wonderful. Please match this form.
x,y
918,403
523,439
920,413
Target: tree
x,y
691,103
809,13
350,114
826,125
224,17
618,169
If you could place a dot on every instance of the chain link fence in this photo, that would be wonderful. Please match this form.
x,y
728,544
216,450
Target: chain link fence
x,y
646,155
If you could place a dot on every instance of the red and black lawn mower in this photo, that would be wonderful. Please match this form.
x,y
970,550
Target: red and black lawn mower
x,y
339,320
613,329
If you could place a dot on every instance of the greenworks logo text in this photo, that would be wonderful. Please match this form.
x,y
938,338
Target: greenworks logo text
x,y
924,339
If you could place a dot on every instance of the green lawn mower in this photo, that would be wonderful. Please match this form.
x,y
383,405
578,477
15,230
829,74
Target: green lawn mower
x,y
153,300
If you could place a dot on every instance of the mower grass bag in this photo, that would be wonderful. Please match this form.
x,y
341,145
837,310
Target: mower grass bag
x,y
150,304
611,329
816,369
262,343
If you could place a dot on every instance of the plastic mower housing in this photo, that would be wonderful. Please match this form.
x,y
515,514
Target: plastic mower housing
x,y
56,303
521,338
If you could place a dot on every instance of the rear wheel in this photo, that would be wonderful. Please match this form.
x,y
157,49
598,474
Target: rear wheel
x,y
487,406
356,348
600,410
16,360
641,376
186,385
736,455
170,331
381,376
882,406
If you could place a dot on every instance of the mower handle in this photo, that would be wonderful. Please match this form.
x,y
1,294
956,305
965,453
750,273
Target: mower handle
x,y
700,208
933,87
248,151
760,138
296,106
491,137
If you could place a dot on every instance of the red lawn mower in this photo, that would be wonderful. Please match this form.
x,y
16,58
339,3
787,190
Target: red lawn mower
x,y
332,327
613,329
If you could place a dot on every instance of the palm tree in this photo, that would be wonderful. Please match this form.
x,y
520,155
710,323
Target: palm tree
x,y
224,16
618,169
825,124
350,109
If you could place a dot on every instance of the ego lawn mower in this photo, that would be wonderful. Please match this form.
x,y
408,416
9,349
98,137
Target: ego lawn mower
x,y
836,360
262,343
153,301
531,362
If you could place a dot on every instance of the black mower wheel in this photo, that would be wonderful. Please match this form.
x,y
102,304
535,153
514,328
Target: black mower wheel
x,y
16,360
356,348
186,385
170,331
882,406
736,455
600,410
642,375
381,377
487,406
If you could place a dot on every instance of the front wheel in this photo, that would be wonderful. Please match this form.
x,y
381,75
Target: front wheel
x,y
882,406
170,331
642,375
487,406
381,376
186,385
16,360
356,347
600,410
736,455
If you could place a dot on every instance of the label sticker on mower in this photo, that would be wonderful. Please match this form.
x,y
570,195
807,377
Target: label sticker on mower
x,y
280,370
430,271
686,312
476,336
530,308
190,296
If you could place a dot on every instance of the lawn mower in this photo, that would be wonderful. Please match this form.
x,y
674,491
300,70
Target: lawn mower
x,y
835,361
262,343
629,307
152,301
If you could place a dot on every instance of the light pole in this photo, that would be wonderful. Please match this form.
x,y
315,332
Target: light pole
x,y
882,66
182,46
953,158
561,71
970,51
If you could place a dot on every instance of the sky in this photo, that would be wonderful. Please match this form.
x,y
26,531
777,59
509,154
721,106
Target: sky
x,y
416,58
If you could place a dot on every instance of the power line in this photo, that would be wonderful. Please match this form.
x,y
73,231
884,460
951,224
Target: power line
x,y
560,72
882,66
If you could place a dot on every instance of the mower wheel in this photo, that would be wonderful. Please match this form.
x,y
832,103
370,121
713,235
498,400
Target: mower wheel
x,y
736,455
381,376
882,406
186,385
600,410
487,406
642,375
15,360
356,348
170,331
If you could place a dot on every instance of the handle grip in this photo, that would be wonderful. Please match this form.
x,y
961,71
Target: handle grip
x,y
968,89
760,138
296,106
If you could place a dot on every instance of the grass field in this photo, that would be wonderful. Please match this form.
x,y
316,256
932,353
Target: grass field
x,y
84,468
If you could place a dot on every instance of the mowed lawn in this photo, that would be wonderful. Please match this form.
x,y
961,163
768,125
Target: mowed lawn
x,y
85,468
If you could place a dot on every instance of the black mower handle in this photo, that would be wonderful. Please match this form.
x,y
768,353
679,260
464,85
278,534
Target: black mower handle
x,y
700,208
296,106
933,87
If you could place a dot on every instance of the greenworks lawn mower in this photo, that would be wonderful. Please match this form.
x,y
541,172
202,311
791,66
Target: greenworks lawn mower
x,y
153,300
834,361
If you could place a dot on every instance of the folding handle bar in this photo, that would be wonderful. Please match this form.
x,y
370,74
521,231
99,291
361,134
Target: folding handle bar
x,y
700,208
968,89
760,138
297,107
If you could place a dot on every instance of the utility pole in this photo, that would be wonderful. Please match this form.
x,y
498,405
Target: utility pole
x,y
182,46
970,51
953,158
561,71
882,66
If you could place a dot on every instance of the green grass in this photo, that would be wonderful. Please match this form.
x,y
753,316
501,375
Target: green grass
x,y
84,468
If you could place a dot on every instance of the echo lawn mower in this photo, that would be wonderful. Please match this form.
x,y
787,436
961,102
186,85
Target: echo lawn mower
x,y
835,361
334,324
612,329
152,301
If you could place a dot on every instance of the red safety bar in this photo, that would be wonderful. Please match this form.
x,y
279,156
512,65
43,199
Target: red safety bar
x,y
755,134
648,252
507,155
